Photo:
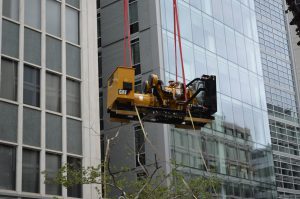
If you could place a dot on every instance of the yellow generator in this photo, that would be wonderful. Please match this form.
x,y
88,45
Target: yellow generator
x,y
159,103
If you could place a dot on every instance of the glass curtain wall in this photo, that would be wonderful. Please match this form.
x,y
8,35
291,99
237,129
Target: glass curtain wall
x,y
220,38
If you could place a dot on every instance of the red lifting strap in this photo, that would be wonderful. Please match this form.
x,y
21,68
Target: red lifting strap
x,y
127,39
177,29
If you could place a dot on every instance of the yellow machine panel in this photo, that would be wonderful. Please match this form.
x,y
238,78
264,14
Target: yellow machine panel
x,y
120,86
170,104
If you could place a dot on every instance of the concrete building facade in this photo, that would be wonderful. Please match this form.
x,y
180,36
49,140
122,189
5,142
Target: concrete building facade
x,y
49,109
219,38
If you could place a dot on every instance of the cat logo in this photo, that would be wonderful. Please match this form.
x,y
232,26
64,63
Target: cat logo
x,y
123,92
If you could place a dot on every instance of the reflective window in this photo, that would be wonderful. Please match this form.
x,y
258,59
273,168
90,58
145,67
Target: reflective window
x,y
184,16
237,16
235,82
254,87
53,54
8,122
169,15
8,79
217,9
224,77
220,41
244,79
188,59
227,110
241,50
53,132
246,21
74,136
230,44
31,86
227,10
10,38
31,171
32,46
73,98
171,54
251,55
197,27
259,127
212,64
73,60
31,127
7,167
200,61
53,17
53,163
238,115
76,190
10,8
196,4
53,92
33,13
72,25
209,33
207,7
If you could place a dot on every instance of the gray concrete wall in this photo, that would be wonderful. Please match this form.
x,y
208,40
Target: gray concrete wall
x,y
122,150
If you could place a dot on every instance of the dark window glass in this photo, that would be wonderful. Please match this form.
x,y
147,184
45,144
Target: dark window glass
x,y
53,54
135,48
32,46
10,9
53,132
76,190
74,136
31,86
8,122
10,38
133,12
98,4
99,30
139,146
72,25
31,171
33,13
73,98
31,127
73,60
53,17
102,144
53,163
9,79
75,3
7,167
53,92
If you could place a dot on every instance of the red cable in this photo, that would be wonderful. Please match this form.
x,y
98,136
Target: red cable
x,y
180,47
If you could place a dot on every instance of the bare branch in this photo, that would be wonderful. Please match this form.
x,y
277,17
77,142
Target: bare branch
x,y
141,165
147,183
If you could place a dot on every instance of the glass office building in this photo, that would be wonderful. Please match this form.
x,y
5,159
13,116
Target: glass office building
x,y
281,92
219,38
47,97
